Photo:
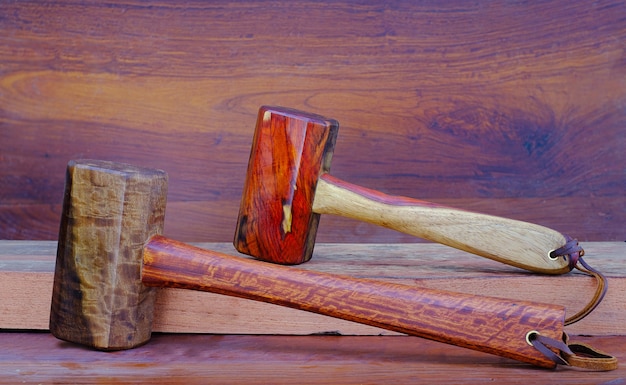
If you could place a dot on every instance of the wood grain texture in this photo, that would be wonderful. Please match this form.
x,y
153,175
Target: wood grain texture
x,y
510,108
288,185
488,324
517,243
290,150
109,211
27,267
35,358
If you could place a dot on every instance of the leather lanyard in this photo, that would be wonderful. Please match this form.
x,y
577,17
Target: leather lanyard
x,y
576,354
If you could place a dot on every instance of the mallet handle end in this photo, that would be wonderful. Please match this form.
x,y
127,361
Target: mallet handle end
x,y
509,241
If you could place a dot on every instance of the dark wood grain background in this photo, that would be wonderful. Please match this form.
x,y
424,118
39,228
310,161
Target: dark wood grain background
x,y
510,108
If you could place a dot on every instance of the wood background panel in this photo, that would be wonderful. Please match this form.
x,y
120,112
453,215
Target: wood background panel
x,y
511,108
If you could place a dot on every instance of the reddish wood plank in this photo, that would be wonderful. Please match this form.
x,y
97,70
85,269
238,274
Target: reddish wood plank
x,y
26,272
200,359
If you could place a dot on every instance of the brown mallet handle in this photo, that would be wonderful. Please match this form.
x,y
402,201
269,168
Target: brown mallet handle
x,y
522,244
487,324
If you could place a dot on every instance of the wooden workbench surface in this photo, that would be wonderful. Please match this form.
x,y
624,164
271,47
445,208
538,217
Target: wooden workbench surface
x,y
211,338
244,359
26,273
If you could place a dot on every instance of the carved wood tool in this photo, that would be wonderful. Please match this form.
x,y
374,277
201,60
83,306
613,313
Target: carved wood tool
x,y
288,186
110,255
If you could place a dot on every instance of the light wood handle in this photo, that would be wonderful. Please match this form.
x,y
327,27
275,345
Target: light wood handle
x,y
487,324
513,242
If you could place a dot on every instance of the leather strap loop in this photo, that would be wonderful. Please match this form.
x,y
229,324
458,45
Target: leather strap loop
x,y
543,344
598,296
589,358
574,252
571,250
575,355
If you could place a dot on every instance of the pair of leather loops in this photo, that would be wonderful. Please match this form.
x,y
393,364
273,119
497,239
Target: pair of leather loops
x,y
574,252
575,355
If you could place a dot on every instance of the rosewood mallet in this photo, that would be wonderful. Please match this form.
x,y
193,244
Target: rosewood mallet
x,y
111,256
288,186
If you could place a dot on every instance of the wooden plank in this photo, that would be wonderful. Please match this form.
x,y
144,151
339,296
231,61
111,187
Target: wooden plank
x,y
512,107
26,272
35,358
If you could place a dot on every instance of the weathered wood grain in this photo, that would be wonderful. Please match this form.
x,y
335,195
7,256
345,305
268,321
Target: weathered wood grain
x,y
109,211
26,275
35,358
512,107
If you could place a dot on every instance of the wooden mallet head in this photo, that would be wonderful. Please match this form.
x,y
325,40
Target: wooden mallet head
x,y
290,150
110,210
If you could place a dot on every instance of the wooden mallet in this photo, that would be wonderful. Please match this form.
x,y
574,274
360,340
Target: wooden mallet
x,y
288,186
110,255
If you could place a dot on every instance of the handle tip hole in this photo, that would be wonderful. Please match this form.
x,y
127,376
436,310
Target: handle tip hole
x,y
552,255
531,336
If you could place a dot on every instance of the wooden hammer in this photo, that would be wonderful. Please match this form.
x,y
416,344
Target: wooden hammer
x,y
110,257
288,186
